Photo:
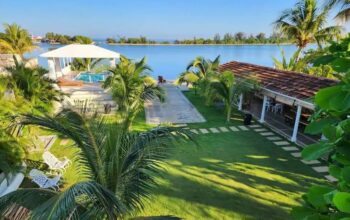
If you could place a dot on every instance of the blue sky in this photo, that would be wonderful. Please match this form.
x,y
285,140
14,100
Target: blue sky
x,y
156,19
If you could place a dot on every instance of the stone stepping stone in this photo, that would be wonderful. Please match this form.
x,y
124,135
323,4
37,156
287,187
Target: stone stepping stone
x,y
310,162
204,131
260,129
274,138
267,133
233,128
255,126
64,142
243,128
224,129
331,178
322,169
290,148
281,143
214,130
194,131
298,154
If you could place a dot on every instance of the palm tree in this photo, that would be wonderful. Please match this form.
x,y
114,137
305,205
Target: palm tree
x,y
131,87
84,64
34,86
15,40
228,88
190,78
202,66
205,69
117,168
344,13
292,65
306,23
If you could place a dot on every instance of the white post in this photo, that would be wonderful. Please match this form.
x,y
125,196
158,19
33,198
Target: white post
x,y
296,124
240,103
263,110
51,65
112,63
64,62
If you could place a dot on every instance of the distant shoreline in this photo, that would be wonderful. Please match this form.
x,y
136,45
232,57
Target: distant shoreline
x,y
172,44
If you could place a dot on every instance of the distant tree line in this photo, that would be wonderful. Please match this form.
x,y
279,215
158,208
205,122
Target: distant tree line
x,y
228,38
133,40
51,37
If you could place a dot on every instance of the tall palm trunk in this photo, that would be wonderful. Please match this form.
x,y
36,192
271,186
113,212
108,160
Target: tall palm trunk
x,y
228,111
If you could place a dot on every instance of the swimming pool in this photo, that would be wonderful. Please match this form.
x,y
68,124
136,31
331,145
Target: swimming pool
x,y
89,77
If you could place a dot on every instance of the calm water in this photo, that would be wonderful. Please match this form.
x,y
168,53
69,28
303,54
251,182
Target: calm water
x,y
169,61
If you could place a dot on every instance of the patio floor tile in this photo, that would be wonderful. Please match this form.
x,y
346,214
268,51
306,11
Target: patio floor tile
x,y
290,148
255,126
224,129
267,133
331,178
204,131
281,143
321,169
214,130
298,154
274,138
194,131
233,128
243,128
260,129
310,162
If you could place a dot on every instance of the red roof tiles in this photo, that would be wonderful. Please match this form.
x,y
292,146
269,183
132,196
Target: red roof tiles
x,y
294,84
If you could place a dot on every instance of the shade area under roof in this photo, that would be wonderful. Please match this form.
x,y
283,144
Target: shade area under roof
x,y
81,51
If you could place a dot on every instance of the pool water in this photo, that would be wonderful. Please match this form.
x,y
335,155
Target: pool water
x,y
88,77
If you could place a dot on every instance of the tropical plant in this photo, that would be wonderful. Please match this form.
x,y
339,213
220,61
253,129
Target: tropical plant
x,y
337,55
15,40
344,13
84,64
190,78
131,86
11,153
306,23
292,65
201,66
205,69
228,88
321,71
333,122
118,168
34,86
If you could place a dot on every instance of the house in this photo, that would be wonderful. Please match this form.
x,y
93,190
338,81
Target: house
x,y
285,100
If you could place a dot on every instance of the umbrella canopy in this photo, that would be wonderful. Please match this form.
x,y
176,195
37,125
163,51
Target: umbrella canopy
x,y
81,51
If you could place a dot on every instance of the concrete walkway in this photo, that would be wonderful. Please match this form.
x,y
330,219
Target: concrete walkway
x,y
176,109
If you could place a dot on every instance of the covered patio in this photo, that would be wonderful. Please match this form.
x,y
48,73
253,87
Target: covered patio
x,y
284,101
60,60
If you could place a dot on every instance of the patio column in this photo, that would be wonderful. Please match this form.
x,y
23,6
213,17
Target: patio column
x,y
51,66
296,124
263,110
240,103
112,63
64,62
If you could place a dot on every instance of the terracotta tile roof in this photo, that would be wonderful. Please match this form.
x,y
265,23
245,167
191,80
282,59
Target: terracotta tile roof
x,y
294,84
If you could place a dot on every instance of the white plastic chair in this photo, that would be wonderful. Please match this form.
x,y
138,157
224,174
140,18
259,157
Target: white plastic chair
x,y
43,181
278,108
54,163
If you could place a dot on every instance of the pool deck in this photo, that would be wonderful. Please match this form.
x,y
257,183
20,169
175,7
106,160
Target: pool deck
x,y
176,109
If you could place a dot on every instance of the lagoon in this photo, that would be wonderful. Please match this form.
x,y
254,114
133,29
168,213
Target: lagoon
x,y
170,60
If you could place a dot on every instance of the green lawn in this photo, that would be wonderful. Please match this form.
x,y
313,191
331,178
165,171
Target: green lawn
x,y
234,175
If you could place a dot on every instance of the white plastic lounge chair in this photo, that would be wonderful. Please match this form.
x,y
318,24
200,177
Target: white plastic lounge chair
x,y
54,163
43,181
